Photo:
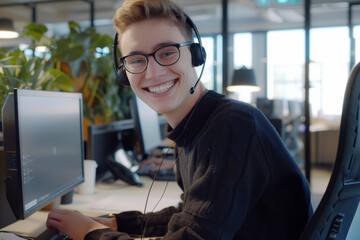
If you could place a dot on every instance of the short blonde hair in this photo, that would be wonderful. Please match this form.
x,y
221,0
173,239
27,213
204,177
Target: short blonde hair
x,y
133,11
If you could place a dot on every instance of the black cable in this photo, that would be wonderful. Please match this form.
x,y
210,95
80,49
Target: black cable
x,y
143,228
166,185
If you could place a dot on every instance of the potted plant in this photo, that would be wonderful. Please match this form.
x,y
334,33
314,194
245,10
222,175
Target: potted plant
x,y
19,71
80,61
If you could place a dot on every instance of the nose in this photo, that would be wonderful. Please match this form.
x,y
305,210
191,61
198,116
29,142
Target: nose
x,y
153,69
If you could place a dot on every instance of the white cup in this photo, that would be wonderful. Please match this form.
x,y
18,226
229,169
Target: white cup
x,y
88,186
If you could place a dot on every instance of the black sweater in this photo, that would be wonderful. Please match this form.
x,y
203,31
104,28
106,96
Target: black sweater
x,y
237,177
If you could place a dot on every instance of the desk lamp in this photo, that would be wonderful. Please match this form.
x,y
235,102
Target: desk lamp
x,y
7,30
244,82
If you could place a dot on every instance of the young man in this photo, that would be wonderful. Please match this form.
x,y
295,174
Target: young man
x,y
238,179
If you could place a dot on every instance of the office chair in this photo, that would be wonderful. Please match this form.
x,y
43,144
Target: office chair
x,y
335,212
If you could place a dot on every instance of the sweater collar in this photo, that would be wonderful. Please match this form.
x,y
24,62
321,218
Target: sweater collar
x,y
192,124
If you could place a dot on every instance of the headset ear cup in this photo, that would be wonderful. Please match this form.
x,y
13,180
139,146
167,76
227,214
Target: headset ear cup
x,y
122,77
198,54
119,70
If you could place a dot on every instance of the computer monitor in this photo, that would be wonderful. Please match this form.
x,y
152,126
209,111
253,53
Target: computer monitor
x,y
43,143
265,105
105,139
147,126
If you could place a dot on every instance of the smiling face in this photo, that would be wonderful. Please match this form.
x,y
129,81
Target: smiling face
x,y
164,88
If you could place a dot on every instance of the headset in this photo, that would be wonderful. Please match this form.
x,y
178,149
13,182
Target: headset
x,y
198,56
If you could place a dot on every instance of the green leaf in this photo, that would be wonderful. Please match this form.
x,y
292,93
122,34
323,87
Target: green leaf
x,y
35,80
11,66
63,43
36,27
73,26
3,88
103,41
35,30
70,53
61,81
5,59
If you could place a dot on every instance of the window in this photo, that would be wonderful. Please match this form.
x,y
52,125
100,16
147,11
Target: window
x,y
242,50
208,76
242,58
286,58
329,68
212,75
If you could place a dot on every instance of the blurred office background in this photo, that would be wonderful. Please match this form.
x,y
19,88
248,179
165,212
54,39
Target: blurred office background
x,y
301,53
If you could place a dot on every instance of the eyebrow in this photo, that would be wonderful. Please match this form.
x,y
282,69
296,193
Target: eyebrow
x,y
156,47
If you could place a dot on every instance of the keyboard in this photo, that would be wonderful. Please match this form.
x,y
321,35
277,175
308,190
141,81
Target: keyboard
x,y
162,175
52,235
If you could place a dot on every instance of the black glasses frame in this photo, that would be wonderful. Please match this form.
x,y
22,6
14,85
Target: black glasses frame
x,y
177,45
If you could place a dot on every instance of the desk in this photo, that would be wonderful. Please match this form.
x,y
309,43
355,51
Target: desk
x,y
90,204
324,143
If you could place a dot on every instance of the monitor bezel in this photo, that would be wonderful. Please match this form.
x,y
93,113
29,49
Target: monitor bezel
x,y
13,179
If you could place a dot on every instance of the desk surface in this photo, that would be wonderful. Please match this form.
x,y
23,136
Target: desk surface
x,y
321,127
107,198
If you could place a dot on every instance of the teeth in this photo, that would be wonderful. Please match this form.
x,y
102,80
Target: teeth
x,y
161,88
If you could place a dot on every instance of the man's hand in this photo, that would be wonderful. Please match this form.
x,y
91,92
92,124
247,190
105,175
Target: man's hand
x,y
72,223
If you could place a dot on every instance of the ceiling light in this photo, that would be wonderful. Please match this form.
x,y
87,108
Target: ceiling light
x,y
243,78
7,30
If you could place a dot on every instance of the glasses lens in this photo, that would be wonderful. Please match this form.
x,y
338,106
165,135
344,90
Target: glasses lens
x,y
135,63
167,55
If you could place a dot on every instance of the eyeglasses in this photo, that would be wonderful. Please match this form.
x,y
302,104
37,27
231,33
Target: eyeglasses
x,y
164,56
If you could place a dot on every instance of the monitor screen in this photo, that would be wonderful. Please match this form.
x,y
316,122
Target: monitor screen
x,y
105,139
43,145
147,126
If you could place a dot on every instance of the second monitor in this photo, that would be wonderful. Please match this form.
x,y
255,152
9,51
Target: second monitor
x,y
149,129
147,126
139,135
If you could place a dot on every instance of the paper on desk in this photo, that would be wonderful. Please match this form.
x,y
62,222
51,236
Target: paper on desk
x,y
10,236
119,203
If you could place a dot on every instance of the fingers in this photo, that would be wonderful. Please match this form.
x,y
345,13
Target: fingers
x,y
53,225
64,221
72,223
61,214
55,219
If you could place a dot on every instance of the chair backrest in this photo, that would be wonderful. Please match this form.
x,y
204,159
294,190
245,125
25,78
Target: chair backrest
x,y
335,212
